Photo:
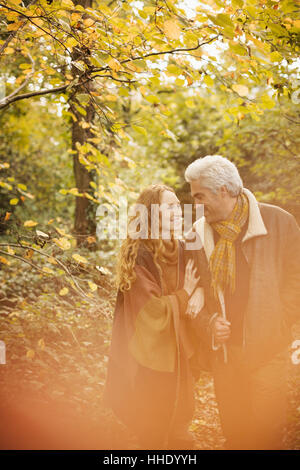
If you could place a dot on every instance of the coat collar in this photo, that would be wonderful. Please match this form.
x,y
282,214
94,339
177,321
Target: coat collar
x,y
256,226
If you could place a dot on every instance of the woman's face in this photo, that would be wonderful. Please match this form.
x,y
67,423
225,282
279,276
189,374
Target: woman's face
x,y
171,214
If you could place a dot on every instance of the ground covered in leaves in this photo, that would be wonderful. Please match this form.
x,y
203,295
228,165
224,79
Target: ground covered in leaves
x,y
52,382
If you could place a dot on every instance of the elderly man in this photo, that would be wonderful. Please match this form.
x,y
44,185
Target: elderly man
x,y
248,255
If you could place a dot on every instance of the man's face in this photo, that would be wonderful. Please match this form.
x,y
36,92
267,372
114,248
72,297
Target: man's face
x,y
214,203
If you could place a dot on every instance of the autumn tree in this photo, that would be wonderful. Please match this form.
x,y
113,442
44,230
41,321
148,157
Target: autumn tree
x,y
90,55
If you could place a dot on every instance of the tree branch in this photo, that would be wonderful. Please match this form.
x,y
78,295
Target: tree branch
x,y
4,103
13,33
22,259
152,54
80,291
15,92
34,24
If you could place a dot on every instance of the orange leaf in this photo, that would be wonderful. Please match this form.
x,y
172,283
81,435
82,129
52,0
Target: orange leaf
x,y
171,29
30,353
28,254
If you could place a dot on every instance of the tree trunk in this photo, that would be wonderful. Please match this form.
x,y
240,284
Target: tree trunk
x,y
82,226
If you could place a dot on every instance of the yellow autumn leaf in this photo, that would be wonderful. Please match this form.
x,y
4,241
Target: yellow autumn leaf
x,y
48,270
64,291
10,250
5,185
41,343
79,258
30,223
74,191
275,56
132,67
242,90
30,353
71,42
88,22
84,125
114,65
75,17
61,232
104,9
9,50
208,80
38,22
92,286
25,66
14,201
91,239
63,243
67,4
4,260
14,26
14,314
143,90
172,29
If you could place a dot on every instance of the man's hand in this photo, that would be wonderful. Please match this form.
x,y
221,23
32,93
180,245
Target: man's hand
x,y
221,329
196,302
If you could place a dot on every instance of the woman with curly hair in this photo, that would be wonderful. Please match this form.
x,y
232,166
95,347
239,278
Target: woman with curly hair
x,y
154,349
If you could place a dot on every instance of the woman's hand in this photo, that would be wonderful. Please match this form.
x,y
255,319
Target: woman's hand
x,y
190,281
195,303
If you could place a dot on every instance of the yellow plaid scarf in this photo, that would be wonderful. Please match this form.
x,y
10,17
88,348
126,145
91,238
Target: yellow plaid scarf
x,y
222,260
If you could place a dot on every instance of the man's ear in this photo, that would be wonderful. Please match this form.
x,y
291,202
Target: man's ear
x,y
223,191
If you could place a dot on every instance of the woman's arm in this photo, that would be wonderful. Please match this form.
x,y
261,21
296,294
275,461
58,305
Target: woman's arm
x,y
150,321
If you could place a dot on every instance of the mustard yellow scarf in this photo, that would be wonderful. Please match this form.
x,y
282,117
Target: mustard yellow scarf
x,y
222,261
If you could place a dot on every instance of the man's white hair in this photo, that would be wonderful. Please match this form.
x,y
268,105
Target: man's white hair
x,y
215,171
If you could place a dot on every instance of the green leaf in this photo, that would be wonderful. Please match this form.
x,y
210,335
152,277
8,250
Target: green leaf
x,y
179,82
154,81
237,49
267,102
237,3
152,99
222,20
174,69
79,258
139,129
83,98
276,57
208,80
79,65
80,109
123,91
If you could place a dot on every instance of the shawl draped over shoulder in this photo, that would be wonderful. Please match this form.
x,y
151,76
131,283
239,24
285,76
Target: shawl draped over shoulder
x,y
155,351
